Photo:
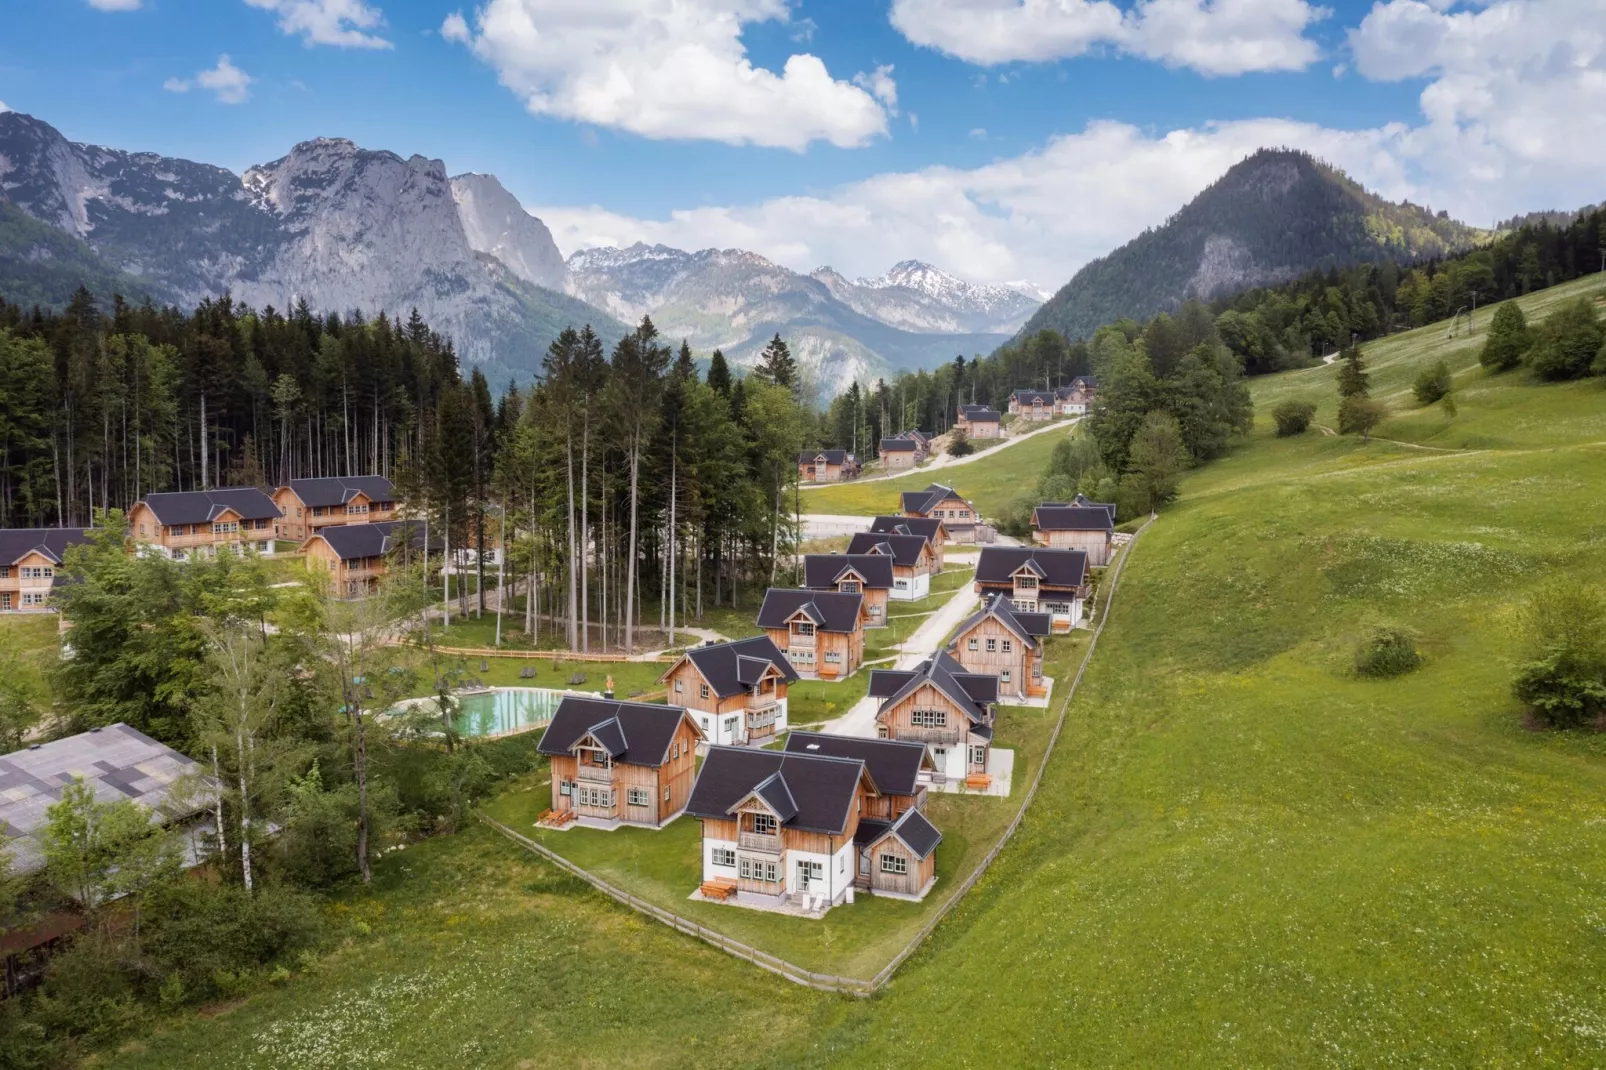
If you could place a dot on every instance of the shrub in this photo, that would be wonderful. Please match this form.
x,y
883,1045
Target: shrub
x,y
1293,417
1568,342
1508,338
1563,682
959,445
1432,384
1358,414
1387,650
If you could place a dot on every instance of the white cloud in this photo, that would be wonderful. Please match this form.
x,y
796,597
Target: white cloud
x,y
979,133
1216,37
879,84
229,83
328,22
668,69
114,5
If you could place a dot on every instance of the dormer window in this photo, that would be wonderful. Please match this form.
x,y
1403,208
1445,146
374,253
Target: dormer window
x,y
850,587
1026,582
764,824
803,627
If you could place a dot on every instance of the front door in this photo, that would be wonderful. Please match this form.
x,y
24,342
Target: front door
x,y
810,876
819,473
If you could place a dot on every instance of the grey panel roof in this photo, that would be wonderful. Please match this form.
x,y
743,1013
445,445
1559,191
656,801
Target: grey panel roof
x,y
997,565
898,445
640,731
829,610
1029,627
1051,516
116,762
731,668
1026,397
825,570
353,541
980,414
338,490
773,790
894,764
822,788
947,676
17,543
925,526
1085,502
916,832
204,506
924,501
904,549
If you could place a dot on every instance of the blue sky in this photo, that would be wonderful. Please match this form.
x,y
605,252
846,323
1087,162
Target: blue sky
x,y
1001,139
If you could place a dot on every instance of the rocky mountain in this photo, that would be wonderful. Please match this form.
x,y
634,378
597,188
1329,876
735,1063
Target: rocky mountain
x,y
1274,216
839,330
337,225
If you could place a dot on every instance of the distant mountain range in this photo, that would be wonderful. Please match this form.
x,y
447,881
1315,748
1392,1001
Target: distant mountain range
x,y
345,228
1272,217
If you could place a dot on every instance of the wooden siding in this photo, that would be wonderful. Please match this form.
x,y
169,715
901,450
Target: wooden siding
x,y
899,719
849,644
1017,660
913,882
677,774
1096,543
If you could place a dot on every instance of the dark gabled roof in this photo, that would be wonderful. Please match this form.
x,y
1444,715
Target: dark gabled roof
x,y
18,543
204,506
899,445
903,549
1026,397
831,456
819,791
923,501
1029,627
968,691
894,764
984,414
924,526
1084,502
1057,568
830,611
917,833
732,668
338,490
1086,381
1052,516
638,733
917,435
821,571
353,541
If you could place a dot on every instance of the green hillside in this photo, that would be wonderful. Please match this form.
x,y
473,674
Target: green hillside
x,y
41,265
1272,217
1241,855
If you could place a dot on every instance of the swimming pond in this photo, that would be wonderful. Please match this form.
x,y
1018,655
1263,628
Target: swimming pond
x,y
501,711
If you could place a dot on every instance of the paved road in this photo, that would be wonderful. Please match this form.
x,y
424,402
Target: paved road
x,y
945,461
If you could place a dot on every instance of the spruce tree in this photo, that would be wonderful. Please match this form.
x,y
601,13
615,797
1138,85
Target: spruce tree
x,y
1508,338
719,374
776,364
1352,378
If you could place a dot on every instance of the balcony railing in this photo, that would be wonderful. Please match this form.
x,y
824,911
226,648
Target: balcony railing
x,y
602,774
926,734
759,841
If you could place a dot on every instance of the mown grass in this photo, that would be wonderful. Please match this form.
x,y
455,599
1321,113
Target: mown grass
x,y
990,483
35,642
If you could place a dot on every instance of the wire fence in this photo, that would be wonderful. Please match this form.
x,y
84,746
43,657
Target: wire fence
x,y
826,982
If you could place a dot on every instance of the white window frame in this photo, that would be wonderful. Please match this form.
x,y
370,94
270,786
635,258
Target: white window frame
x,y
894,864
928,718
724,857
638,797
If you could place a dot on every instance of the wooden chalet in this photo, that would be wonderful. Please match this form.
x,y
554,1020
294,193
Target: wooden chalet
x,y
311,504
980,421
1032,404
820,632
942,706
30,563
619,763
357,556
1007,643
1075,398
1064,526
933,530
181,524
735,691
905,450
790,828
868,574
826,466
1036,580
944,503
913,563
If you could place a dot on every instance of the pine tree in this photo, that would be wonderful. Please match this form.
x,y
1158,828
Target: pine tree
x,y
719,374
1352,378
776,365
1508,338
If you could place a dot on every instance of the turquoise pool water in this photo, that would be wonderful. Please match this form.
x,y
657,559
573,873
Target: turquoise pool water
x,y
502,711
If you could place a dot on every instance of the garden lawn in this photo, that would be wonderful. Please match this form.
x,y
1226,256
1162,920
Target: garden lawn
x,y
628,676
812,701
990,483
34,640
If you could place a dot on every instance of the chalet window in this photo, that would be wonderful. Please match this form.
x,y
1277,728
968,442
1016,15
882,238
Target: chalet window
x,y
356,510
900,585
224,527
752,869
679,686
895,864
1004,676
992,646
702,690
1028,583
1008,646
973,644
833,657
730,726
929,718
666,793
1061,608
764,824
1037,671
881,732
722,856
565,787
850,587
5,572
978,755
639,797
803,627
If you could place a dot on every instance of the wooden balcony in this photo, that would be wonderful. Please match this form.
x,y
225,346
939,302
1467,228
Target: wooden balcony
x,y
949,734
598,774
759,841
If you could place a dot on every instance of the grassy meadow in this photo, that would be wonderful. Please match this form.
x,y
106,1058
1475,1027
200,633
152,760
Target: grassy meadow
x,y
990,483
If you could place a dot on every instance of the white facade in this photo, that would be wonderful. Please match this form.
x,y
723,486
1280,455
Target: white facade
x,y
804,872
731,728
911,590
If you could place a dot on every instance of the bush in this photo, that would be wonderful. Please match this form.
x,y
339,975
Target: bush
x,y
1387,650
1432,384
1568,342
1508,338
1563,682
1358,414
959,445
1293,417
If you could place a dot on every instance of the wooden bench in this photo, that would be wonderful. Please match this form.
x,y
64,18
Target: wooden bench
x,y
978,782
555,818
718,888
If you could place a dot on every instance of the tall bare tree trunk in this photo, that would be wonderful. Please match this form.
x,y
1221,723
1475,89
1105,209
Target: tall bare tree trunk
x,y
630,560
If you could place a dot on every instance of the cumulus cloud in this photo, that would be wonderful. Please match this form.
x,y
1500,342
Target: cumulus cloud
x,y
227,82
669,69
344,23
114,5
1216,37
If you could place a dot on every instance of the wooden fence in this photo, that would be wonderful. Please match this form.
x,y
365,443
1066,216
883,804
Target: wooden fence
x,y
830,982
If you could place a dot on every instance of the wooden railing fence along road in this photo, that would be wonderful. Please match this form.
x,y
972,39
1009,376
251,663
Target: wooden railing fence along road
x,y
825,982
